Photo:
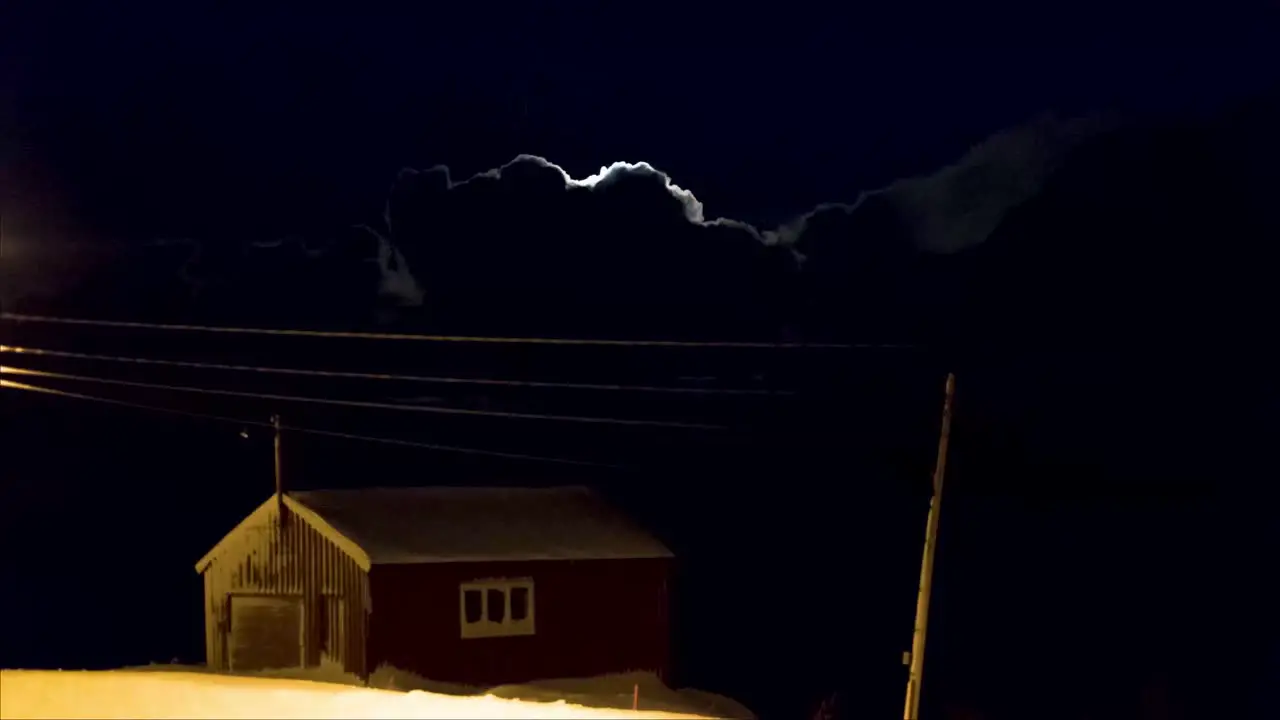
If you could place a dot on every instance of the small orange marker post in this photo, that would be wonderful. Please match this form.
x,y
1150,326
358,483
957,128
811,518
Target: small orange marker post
x,y
635,697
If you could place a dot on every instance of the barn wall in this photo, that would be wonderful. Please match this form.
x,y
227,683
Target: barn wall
x,y
263,559
591,617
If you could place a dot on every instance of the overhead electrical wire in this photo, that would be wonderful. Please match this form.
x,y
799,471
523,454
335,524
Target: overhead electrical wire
x,y
390,376
20,317
4,383
365,403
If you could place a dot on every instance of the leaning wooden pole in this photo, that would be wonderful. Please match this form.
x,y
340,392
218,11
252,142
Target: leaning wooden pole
x,y
916,658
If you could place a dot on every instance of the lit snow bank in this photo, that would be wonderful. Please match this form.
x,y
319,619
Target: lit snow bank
x,y
614,691
30,694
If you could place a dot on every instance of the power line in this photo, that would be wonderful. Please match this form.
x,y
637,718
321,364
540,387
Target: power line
x,y
368,404
387,376
19,317
310,431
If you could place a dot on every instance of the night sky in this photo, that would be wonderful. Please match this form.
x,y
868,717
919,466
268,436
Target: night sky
x,y
1072,210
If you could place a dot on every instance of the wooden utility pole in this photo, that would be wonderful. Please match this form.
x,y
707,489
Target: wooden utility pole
x,y
915,659
275,423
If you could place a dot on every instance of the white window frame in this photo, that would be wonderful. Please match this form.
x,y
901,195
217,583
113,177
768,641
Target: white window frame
x,y
486,627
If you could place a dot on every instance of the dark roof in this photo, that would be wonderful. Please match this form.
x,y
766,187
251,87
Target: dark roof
x,y
448,524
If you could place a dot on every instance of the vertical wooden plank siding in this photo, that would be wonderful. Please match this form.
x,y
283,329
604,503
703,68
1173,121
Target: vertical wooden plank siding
x,y
264,559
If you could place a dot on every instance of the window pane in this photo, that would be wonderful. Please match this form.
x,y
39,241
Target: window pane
x,y
497,605
519,603
472,607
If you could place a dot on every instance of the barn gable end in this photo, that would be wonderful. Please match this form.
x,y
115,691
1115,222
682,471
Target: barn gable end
x,y
285,594
265,515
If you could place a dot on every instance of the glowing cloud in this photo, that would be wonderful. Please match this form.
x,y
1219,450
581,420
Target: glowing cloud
x,y
956,207
692,206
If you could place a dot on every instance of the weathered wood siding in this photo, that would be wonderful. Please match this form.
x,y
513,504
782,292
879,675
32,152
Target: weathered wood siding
x,y
263,558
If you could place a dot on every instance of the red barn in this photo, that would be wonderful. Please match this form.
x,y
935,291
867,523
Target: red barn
x,y
473,585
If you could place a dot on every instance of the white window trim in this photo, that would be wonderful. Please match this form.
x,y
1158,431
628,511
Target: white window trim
x,y
486,627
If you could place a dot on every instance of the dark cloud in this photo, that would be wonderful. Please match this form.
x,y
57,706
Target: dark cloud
x,y
526,245
527,248
1048,225
1150,234
628,249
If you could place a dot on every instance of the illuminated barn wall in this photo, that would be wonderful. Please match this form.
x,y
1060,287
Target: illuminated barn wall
x,y
262,559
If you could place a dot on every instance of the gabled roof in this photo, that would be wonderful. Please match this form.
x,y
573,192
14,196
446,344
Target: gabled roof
x,y
397,526
266,510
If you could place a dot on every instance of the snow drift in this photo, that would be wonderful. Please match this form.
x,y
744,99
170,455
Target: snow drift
x,y
29,694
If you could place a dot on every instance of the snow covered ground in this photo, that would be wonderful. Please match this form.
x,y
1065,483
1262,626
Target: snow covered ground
x,y
192,693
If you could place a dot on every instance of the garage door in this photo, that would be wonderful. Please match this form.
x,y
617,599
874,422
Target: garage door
x,y
266,632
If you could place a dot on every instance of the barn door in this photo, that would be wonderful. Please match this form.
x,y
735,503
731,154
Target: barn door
x,y
332,630
266,632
